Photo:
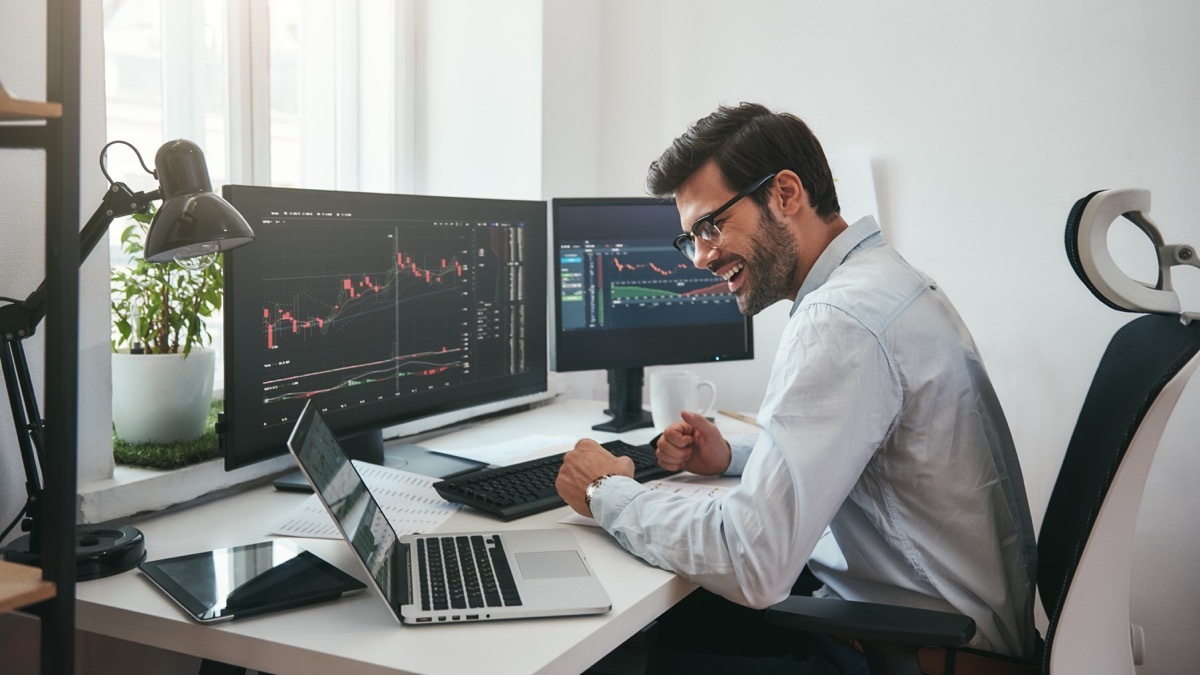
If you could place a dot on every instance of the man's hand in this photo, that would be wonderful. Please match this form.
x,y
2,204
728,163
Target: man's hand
x,y
587,462
695,445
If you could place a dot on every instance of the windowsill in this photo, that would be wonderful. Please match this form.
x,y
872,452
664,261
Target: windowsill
x,y
134,490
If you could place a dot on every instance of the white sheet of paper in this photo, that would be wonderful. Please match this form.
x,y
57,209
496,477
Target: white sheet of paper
x,y
408,501
674,486
506,453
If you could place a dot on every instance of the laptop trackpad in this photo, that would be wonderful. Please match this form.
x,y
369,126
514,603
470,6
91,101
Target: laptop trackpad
x,y
551,565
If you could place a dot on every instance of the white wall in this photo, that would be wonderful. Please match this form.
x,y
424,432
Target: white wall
x,y
985,123
22,250
479,107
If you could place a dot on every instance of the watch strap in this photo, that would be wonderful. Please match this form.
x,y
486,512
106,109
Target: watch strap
x,y
591,489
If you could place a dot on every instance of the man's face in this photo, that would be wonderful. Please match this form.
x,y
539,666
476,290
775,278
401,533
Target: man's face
x,y
757,255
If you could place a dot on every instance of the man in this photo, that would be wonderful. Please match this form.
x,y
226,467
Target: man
x,y
884,463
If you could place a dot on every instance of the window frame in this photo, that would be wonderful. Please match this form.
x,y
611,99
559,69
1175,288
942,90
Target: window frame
x,y
373,147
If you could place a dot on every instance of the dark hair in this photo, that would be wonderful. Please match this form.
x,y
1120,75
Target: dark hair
x,y
747,143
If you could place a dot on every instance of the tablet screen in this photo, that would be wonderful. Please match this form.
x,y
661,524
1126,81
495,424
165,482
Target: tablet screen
x,y
245,580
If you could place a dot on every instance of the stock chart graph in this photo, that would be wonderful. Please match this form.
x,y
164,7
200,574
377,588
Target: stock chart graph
x,y
367,312
627,286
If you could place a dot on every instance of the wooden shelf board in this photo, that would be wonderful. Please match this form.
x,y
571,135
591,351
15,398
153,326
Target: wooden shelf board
x,y
22,585
19,109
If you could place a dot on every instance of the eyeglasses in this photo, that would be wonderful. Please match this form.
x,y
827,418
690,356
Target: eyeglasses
x,y
706,229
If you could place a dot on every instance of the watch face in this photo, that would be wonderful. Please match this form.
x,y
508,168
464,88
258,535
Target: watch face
x,y
591,489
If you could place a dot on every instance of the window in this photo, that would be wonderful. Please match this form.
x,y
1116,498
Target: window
x,y
293,93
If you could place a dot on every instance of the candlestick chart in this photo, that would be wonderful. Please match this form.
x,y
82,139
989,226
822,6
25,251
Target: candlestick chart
x,y
365,313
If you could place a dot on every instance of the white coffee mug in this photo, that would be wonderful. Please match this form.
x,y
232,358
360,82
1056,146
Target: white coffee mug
x,y
672,391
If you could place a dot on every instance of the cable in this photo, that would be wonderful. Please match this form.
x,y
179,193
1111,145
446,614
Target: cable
x,y
20,515
104,160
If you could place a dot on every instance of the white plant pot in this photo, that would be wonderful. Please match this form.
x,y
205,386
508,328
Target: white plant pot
x,y
160,398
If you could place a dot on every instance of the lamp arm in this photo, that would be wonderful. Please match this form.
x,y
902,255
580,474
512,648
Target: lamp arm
x,y
29,426
118,202
19,321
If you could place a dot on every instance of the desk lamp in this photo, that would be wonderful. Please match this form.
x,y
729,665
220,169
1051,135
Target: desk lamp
x,y
192,224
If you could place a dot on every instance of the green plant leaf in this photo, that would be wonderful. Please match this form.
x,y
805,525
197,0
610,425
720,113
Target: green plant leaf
x,y
170,301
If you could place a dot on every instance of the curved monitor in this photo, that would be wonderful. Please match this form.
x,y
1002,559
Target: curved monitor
x,y
626,299
382,308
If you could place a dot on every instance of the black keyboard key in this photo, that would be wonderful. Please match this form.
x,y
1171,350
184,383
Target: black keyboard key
x,y
424,574
487,577
437,577
504,578
470,572
454,585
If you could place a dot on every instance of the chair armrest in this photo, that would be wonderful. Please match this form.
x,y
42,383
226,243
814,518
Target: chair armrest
x,y
872,622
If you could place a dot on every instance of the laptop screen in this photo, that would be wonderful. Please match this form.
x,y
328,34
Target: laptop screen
x,y
338,484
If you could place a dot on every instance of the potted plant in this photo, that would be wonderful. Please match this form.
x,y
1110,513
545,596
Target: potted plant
x,y
162,376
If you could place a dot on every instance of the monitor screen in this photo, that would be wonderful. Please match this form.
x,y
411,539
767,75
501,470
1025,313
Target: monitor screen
x,y
626,299
381,308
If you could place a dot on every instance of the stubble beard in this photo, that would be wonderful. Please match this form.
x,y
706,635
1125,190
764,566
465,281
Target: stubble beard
x,y
773,266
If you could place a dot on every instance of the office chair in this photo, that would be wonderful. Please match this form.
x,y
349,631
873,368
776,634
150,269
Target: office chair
x,y
1085,543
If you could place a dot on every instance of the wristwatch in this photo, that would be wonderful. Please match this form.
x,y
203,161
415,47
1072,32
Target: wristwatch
x,y
591,489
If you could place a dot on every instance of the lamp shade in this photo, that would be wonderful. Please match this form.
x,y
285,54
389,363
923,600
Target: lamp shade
x,y
192,220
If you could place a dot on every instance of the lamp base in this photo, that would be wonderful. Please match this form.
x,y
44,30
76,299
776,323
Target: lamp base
x,y
100,551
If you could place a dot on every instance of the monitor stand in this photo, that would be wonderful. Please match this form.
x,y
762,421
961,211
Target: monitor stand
x,y
369,447
625,401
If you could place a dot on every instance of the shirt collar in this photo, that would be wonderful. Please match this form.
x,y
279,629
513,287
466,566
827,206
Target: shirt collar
x,y
835,254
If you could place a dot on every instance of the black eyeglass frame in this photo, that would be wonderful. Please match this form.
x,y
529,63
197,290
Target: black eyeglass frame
x,y
711,231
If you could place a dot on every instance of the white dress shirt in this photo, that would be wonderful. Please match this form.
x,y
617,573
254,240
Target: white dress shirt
x,y
885,463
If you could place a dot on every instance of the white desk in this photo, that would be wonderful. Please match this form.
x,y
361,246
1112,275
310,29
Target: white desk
x,y
358,634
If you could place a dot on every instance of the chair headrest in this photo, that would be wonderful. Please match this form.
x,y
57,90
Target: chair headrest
x,y
1087,248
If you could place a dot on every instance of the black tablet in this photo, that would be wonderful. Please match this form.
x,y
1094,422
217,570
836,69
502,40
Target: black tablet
x,y
241,581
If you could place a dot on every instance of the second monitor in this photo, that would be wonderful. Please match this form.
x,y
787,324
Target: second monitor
x,y
625,299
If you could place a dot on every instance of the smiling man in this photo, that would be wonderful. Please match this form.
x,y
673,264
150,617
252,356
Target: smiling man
x,y
885,464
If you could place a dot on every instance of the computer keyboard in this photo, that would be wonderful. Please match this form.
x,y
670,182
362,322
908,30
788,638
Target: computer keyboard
x,y
527,488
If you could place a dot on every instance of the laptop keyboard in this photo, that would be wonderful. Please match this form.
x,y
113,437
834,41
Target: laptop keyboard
x,y
464,572
524,489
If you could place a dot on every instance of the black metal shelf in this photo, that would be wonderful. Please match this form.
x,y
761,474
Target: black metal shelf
x,y
58,134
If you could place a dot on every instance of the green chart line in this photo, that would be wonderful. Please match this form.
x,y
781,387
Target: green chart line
x,y
622,292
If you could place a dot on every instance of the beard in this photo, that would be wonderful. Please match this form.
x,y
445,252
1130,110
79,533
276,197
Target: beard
x,y
773,266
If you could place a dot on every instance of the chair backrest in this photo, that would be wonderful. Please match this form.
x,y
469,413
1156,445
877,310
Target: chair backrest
x,y
1085,543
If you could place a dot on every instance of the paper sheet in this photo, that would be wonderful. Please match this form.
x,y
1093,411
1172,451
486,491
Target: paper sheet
x,y
506,453
682,488
408,501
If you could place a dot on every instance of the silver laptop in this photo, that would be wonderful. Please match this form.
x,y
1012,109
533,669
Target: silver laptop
x,y
460,576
